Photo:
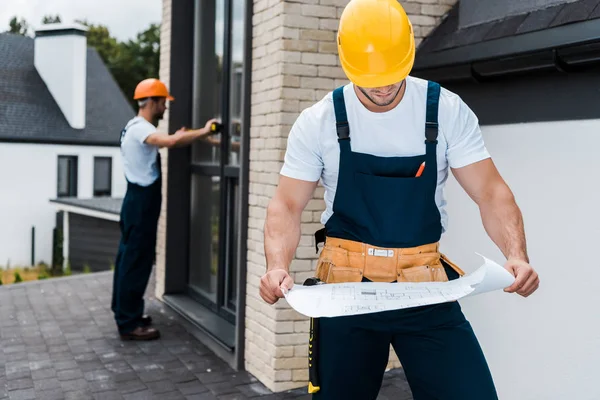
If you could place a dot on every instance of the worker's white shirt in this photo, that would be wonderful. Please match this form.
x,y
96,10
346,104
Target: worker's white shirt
x,y
139,158
313,150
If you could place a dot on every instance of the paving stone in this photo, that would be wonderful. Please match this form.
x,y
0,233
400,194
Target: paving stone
x,y
98,375
193,387
152,376
175,395
24,394
221,388
46,384
19,384
65,365
234,396
202,396
112,395
102,386
78,395
143,395
52,394
18,375
74,385
160,387
131,386
43,374
69,374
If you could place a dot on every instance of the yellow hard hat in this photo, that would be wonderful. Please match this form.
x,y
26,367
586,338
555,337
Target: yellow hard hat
x,y
151,88
376,43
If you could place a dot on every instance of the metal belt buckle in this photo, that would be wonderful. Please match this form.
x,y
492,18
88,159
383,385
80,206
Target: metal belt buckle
x,y
380,252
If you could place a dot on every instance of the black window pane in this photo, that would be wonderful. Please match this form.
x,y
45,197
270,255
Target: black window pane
x,y
63,177
67,176
204,235
102,176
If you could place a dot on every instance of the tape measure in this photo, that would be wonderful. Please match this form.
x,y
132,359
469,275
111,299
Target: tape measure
x,y
216,127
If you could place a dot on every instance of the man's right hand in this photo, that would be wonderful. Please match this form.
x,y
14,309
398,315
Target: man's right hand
x,y
272,283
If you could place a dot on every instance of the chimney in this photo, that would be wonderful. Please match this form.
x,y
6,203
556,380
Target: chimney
x,y
60,58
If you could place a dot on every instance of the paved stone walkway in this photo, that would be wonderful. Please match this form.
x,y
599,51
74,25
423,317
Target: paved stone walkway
x,y
58,341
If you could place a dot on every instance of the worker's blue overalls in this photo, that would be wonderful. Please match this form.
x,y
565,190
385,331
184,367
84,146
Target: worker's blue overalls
x,y
139,218
379,201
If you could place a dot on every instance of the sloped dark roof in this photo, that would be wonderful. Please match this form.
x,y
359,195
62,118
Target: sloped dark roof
x,y
111,205
29,113
553,27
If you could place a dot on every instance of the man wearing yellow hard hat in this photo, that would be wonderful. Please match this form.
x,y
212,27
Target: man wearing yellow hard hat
x,y
140,143
382,147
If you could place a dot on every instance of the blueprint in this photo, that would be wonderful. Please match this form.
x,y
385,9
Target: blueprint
x,y
344,299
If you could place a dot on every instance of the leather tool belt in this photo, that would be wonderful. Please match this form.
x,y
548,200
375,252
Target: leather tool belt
x,y
348,261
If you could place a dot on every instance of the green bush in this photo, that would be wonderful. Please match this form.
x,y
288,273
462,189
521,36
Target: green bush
x,y
1,283
86,269
42,277
18,277
67,271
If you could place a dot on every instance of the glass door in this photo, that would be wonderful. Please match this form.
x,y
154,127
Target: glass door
x,y
215,166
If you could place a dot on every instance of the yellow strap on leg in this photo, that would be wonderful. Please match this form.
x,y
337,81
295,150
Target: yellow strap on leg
x,y
313,389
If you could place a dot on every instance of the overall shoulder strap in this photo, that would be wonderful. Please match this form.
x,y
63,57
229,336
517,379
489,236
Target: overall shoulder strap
x,y
341,118
125,128
433,99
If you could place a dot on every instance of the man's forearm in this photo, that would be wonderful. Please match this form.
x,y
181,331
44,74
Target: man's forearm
x,y
503,222
282,235
187,137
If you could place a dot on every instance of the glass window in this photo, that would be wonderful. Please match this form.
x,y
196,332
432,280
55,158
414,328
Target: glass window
x,y
67,176
213,52
238,28
102,176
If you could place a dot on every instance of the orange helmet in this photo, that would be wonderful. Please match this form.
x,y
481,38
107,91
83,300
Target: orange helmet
x,y
151,88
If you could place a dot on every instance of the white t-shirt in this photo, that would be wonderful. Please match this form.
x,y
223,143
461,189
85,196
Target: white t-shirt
x,y
313,150
139,158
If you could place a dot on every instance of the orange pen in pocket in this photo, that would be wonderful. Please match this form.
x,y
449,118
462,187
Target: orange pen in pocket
x,y
421,168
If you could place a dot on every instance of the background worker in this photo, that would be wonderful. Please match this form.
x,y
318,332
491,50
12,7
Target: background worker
x,y
367,142
140,143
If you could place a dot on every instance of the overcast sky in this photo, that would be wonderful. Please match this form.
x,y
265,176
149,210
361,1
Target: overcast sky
x,y
124,18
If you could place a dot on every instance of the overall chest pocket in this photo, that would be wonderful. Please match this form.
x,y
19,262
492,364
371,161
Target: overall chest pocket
x,y
393,207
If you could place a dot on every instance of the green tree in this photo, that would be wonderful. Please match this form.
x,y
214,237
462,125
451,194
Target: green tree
x,y
49,19
138,59
98,37
18,27
129,62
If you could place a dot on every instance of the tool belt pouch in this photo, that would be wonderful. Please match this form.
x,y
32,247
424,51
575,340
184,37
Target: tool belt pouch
x,y
338,265
423,267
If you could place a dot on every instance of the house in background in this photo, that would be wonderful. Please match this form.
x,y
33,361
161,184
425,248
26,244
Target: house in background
x,y
61,114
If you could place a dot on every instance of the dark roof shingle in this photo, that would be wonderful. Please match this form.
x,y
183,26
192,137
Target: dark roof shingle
x,y
450,35
29,113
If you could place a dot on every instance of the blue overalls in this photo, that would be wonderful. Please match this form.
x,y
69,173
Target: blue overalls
x,y
379,201
139,218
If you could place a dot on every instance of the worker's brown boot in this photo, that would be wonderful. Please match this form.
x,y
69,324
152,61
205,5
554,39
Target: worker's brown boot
x,y
141,333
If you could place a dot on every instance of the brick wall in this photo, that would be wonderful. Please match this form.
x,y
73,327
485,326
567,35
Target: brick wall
x,y
164,75
295,64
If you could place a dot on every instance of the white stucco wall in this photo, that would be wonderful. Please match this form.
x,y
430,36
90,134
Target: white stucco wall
x,y
545,347
28,173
